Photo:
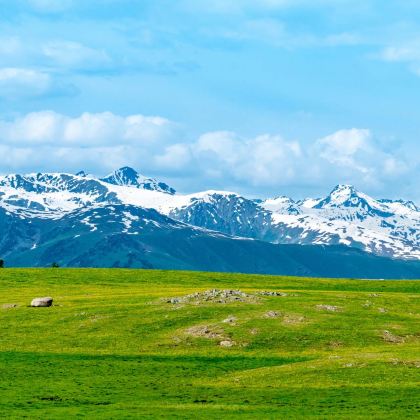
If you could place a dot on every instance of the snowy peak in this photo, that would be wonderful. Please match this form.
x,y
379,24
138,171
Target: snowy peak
x,y
123,176
129,177
342,195
344,217
347,197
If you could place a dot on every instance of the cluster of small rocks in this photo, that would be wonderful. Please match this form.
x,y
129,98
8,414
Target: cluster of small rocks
x,y
203,331
392,338
214,296
330,308
271,314
268,293
210,333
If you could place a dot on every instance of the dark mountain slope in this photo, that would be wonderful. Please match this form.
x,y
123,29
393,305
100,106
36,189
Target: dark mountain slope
x,y
129,236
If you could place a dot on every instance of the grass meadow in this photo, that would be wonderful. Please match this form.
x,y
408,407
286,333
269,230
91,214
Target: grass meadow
x,y
112,346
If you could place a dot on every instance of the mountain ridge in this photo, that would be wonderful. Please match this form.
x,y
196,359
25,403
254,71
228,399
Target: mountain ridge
x,y
389,228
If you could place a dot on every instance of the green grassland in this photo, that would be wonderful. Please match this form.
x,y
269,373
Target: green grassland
x,y
113,347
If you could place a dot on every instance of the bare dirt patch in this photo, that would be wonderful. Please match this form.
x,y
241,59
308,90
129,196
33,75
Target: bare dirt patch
x,y
293,319
227,343
392,338
204,331
230,320
9,305
272,314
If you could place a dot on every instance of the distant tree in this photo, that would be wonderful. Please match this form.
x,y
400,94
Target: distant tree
x,y
55,265
1,263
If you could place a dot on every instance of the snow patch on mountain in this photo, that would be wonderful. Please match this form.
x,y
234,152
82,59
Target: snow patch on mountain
x,y
345,216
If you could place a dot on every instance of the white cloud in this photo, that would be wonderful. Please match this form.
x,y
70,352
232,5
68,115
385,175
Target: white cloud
x,y
23,82
355,155
87,130
342,147
222,159
408,53
98,142
17,83
263,160
175,157
75,55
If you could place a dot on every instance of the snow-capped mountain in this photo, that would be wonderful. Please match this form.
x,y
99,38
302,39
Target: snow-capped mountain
x,y
130,178
344,217
347,216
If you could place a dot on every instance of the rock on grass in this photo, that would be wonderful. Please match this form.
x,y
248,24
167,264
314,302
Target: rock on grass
x,y
42,302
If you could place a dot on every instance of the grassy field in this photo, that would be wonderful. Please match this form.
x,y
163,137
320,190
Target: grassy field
x,y
112,346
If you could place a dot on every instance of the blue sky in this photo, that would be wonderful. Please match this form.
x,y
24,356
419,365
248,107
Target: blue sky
x,y
266,98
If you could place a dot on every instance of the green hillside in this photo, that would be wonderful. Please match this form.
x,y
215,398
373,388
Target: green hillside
x,y
128,344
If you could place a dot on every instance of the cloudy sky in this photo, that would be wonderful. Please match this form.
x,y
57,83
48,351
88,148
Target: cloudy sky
x,y
263,97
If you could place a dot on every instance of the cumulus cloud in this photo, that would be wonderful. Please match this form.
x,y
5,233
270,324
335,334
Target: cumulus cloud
x,y
356,155
263,160
174,157
345,146
221,159
86,130
51,141
269,161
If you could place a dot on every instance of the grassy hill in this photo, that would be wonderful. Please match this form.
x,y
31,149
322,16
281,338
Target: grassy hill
x,y
114,345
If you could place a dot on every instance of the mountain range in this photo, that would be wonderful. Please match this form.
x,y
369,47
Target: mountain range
x,y
129,220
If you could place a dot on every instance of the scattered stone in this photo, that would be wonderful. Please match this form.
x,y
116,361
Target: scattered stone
x,y
226,343
382,310
203,331
254,331
391,338
42,302
10,305
330,308
367,304
373,295
214,296
267,293
230,320
408,363
335,344
293,319
271,314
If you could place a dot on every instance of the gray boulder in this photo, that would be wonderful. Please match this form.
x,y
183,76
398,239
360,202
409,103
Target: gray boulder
x,y
42,302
